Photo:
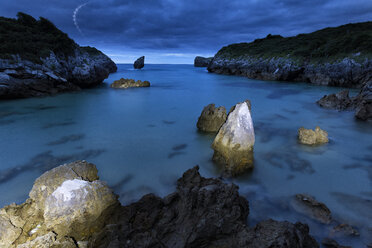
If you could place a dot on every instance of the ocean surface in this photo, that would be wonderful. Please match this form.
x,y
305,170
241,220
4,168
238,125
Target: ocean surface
x,y
143,139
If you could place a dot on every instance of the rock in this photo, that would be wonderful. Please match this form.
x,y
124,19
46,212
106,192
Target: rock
x,y
202,61
330,243
344,230
310,137
310,207
211,118
233,145
48,240
139,63
340,101
8,232
129,83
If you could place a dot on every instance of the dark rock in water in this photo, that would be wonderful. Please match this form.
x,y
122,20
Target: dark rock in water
x,y
202,61
330,243
139,63
129,83
211,118
307,205
344,230
361,103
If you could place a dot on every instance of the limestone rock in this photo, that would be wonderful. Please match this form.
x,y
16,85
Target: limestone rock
x,y
233,145
139,63
129,83
211,118
310,137
307,205
48,240
8,232
202,61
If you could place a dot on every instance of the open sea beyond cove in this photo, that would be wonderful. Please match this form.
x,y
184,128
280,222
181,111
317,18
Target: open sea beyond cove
x,y
143,139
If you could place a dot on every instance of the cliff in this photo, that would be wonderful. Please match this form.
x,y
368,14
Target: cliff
x,y
340,56
38,59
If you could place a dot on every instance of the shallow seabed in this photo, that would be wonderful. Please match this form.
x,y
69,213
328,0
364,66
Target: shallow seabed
x,y
143,139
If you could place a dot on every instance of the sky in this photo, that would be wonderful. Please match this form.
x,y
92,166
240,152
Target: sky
x,y
175,31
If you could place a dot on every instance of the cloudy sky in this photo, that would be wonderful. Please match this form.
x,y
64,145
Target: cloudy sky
x,y
175,31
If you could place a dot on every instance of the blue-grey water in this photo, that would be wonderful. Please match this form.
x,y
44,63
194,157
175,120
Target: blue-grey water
x,y
143,139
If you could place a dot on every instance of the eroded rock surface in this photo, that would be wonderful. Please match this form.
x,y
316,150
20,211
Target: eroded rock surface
x,y
129,83
212,118
139,63
312,208
312,137
233,145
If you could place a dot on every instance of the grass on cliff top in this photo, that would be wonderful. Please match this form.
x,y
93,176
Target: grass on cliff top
x,y
32,39
329,44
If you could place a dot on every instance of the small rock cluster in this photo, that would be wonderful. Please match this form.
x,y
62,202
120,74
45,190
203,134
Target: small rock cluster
x,y
312,137
124,83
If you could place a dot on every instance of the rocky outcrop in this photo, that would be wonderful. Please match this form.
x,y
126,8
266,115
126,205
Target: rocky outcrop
x,y
20,78
361,103
310,207
78,210
139,63
312,137
233,145
202,61
211,118
129,83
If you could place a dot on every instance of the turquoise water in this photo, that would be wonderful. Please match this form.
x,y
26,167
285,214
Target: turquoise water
x,y
143,139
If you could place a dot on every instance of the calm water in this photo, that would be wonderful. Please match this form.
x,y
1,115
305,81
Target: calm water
x,y
143,139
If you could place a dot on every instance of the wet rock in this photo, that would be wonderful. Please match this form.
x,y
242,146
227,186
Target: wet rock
x,y
211,118
339,101
233,145
139,63
129,83
344,230
202,61
330,243
310,137
310,207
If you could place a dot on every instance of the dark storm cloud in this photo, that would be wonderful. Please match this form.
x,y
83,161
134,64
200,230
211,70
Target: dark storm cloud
x,y
180,26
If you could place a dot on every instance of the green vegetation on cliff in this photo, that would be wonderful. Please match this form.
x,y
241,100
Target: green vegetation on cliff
x,y
329,44
32,39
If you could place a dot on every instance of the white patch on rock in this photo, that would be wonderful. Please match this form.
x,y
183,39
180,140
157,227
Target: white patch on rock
x,y
66,192
34,230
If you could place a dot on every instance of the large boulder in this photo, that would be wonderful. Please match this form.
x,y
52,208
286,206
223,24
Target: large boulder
x,y
139,63
312,137
233,145
211,118
129,83
202,61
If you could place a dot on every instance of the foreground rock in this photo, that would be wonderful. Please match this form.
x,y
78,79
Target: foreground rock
x,y
233,145
211,118
202,61
129,83
139,63
361,103
307,205
70,207
312,137
58,64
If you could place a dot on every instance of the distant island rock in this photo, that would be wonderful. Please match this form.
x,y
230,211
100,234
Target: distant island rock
x,y
338,56
139,63
202,61
37,59
124,83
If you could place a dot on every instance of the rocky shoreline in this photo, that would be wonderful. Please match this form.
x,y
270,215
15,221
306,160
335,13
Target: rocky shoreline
x,y
70,207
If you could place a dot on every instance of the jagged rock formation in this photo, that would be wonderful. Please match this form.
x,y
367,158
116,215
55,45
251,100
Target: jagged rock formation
x,y
69,207
129,83
46,61
139,63
211,119
202,61
361,103
332,56
233,145
312,137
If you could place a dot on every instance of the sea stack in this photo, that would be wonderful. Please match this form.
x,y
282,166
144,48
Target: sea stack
x,y
139,63
202,61
233,145
212,118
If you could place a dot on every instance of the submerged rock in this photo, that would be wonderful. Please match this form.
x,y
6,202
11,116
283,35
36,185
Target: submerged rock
x,y
139,63
211,118
310,137
344,230
233,145
202,61
330,243
129,83
307,205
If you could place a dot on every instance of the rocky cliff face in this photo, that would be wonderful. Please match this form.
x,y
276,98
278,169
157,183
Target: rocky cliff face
x,y
20,78
347,72
202,61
